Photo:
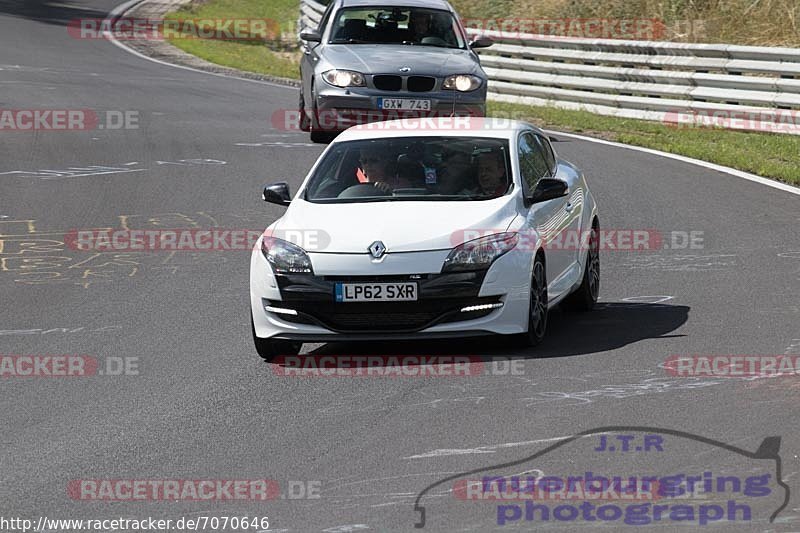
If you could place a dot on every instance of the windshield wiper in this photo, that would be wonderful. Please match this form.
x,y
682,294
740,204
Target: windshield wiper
x,y
365,199
447,197
415,43
350,41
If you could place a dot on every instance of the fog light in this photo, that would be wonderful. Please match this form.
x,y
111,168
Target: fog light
x,y
481,307
280,310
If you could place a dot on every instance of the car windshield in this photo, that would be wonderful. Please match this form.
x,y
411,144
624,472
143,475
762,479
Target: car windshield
x,y
412,168
396,25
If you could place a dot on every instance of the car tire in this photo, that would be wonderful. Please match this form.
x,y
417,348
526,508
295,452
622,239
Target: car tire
x,y
268,349
537,308
305,122
319,137
317,134
585,297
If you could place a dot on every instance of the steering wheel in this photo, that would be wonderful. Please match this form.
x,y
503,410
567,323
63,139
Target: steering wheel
x,y
434,41
362,190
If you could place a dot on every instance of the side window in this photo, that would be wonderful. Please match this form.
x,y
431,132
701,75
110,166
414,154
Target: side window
x,y
329,172
532,163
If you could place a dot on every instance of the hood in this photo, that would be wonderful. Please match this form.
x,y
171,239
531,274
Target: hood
x,y
388,58
402,226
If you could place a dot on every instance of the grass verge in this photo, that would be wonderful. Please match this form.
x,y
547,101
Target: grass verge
x,y
272,59
770,155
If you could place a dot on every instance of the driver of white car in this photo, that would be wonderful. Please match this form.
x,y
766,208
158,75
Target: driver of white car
x,y
388,171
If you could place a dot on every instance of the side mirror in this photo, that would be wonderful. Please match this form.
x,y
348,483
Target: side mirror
x,y
482,42
311,36
277,193
548,189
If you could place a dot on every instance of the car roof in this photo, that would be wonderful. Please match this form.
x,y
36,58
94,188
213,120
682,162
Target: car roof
x,y
433,4
499,128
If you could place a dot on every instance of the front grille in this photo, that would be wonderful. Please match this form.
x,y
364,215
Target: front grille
x,y
420,84
441,298
386,82
379,321
302,287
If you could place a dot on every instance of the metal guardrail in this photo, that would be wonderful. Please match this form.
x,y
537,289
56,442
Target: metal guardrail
x,y
649,80
310,15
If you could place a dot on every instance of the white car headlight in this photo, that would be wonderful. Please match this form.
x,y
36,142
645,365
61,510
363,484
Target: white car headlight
x,y
344,78
285,257
462,82
480,253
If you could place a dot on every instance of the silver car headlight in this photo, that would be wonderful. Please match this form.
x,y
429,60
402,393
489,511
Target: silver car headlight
x,y
344,78
462,82
285,257
479,254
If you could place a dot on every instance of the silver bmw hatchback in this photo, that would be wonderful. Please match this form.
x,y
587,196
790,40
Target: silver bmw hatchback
x,y
372,60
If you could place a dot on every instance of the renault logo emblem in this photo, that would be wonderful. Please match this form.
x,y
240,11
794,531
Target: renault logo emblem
x,y
377,249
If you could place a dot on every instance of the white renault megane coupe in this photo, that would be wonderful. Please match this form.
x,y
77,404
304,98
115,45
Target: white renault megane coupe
x,y
426,228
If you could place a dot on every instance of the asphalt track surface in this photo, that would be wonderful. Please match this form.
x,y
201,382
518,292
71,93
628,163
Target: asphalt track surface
x,y
204,406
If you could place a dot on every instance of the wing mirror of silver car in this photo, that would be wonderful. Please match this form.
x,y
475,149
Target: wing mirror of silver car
x,y
482,42
277,193
311,36
548,189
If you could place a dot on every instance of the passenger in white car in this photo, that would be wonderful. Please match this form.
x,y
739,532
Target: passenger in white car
x,y
492,178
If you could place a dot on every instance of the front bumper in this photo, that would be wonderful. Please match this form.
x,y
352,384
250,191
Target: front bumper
x,y
303,307
442,298
339,109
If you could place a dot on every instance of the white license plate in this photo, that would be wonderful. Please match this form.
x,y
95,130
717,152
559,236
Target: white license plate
x,y
376,292
404,104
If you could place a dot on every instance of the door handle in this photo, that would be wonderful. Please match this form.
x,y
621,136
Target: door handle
x,y
568,207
